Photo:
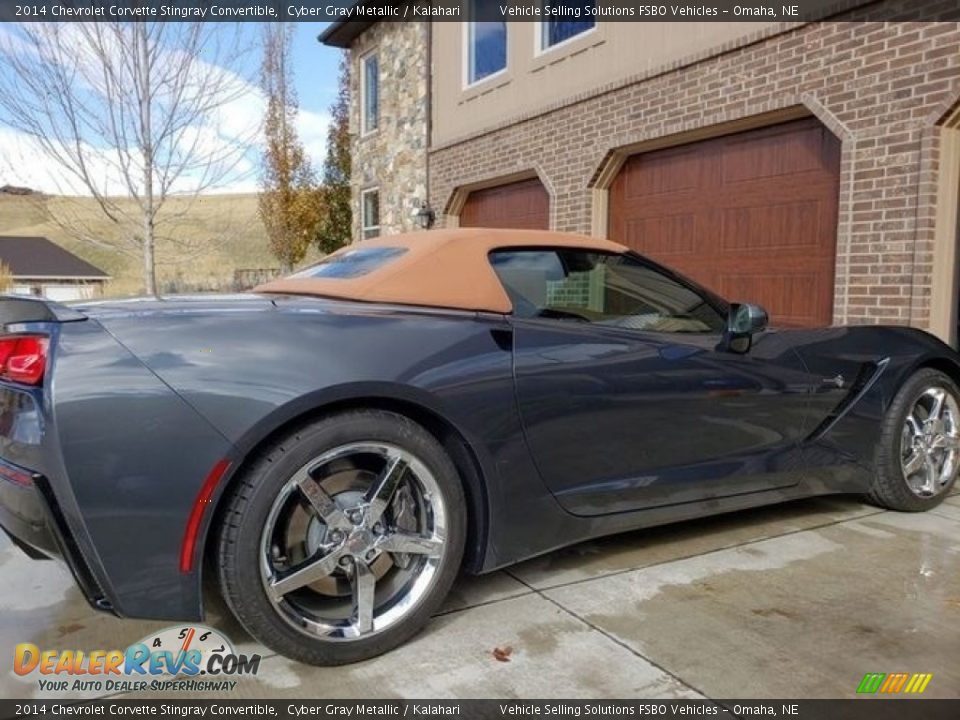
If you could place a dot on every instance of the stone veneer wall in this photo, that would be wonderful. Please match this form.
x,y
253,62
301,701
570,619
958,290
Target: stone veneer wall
x,y
882,88
394,157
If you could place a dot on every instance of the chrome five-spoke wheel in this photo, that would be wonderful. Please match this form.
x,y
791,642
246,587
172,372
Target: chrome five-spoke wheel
x,y
930,442
917,457
340,539
353,540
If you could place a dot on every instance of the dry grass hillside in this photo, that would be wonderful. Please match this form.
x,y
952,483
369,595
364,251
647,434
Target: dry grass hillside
x,y
217,234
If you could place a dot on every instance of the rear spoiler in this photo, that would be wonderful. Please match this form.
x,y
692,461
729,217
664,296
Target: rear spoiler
x,y
20,309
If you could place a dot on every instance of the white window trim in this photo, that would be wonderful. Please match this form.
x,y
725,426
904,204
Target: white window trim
x,y
538,37
467,83
364,130
363,213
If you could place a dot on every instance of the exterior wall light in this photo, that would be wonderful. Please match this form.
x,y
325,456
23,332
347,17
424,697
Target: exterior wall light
x,y
425,216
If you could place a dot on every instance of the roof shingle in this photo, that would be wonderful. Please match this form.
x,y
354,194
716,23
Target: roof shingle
x,y
38,257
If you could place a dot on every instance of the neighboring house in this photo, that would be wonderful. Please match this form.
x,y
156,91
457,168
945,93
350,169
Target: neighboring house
x,y
811,167
40,267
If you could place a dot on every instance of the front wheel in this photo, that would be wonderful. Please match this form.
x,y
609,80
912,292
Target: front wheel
x,y
919,454
342,539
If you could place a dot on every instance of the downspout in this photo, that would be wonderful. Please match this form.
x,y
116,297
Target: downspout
x,y
428,140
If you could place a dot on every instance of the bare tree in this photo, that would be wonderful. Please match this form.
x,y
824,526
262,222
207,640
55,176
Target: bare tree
x,y
290,202
132,114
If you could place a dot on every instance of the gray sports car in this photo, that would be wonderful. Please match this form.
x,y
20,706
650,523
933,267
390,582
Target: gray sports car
x,y
336,446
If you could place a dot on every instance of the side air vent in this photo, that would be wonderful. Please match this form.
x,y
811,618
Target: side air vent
x,y
867,375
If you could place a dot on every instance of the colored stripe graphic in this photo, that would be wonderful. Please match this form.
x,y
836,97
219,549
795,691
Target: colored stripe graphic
x,y
893,683
918,683
871,682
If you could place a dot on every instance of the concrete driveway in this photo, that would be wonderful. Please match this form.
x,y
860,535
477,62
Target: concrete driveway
x,y
799,600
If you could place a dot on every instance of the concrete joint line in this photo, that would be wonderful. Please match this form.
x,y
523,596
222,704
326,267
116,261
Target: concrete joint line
x,y
614,639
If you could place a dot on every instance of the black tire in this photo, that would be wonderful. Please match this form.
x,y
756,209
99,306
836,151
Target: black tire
x,y
248,506
890,487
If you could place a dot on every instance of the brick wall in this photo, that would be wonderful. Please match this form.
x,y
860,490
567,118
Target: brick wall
x,y
882,88
574,291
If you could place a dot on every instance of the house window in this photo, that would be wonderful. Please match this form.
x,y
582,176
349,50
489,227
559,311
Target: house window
x,y
555,32
486,42
370,212
370,92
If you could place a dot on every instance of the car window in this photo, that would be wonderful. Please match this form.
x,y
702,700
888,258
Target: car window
x,y
602,288
351,263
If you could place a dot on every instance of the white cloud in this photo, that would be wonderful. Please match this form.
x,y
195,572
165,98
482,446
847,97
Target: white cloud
x,y
230,132
312,128
23,162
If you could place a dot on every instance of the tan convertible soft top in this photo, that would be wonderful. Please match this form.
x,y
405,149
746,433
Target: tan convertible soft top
x,y
440,268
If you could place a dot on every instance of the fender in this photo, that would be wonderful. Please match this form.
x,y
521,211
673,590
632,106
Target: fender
x,y
413,401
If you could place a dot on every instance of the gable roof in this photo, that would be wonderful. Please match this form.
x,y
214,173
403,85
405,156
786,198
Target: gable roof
x,y
446,268
38,257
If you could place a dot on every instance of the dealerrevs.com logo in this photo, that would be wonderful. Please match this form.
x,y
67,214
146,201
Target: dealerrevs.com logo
x,y
187,658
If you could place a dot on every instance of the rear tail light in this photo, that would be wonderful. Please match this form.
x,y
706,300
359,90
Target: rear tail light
x,y
23,358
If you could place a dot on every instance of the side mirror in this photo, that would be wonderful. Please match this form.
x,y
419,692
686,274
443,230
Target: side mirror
x,y
743,321
747,319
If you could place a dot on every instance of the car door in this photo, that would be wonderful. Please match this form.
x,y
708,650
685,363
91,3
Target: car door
x,y
626,400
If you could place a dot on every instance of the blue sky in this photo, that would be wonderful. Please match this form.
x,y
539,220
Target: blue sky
x,y
315,69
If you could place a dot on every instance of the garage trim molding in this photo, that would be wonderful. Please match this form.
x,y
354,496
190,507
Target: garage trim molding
x,y
808,106
943,283
458,198
613,160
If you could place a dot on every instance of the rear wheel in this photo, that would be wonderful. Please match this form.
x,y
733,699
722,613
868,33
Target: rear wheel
x,y
919,454
341,540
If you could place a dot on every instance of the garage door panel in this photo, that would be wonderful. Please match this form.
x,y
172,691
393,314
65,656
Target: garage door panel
x,y
791,225
523,205
788,188
772,155
786,291
664,234
63,293
670,173
764,215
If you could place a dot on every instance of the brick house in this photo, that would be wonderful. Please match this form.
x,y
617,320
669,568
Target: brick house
x,y
812,167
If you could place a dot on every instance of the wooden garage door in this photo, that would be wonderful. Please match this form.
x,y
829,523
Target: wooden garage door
x,y
752,216
524,204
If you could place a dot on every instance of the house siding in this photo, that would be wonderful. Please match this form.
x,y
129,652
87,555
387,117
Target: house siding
x,y
882,88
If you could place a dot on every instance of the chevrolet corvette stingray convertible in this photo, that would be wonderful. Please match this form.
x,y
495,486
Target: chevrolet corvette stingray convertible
x,y
334,447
